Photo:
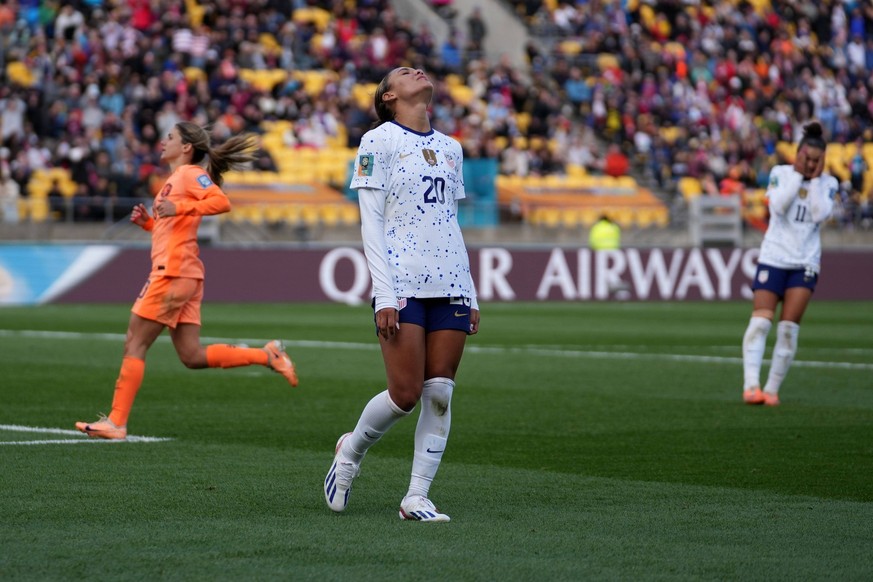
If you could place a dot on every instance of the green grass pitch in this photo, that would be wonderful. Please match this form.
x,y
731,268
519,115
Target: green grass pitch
x,y
590,441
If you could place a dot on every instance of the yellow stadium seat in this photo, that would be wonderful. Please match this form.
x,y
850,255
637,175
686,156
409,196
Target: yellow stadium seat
x,y
588,216
547,217
194,74
690,187
623,216
269,43
534,182
501,142
195,12
607,61
453,80
318,16
253,214
648,217
522,120
330,215
39,210
19,73
364,94
570,217
310,214
570,47
350,214
554,181
462,94
274,214
786,151
627,182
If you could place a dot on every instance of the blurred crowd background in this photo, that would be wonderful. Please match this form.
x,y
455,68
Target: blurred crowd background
x,y
688,97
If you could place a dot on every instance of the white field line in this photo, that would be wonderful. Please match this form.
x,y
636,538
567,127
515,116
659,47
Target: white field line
x,y
82,438
549,351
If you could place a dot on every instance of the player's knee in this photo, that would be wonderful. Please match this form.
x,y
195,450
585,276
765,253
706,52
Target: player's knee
x,y
438,392
405,397
767,314
786,342
193,359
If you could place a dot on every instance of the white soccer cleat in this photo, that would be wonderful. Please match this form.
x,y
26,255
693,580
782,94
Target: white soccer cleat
x,y
338,483
418,508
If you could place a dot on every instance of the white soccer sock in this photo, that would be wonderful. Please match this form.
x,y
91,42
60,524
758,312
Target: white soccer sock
x,y
431,433
783,354
754,343
378,416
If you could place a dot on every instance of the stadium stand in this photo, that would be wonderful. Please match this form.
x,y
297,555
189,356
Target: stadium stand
x,y
685,90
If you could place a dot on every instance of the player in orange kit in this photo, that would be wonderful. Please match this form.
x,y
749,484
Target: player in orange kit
x,y
173,293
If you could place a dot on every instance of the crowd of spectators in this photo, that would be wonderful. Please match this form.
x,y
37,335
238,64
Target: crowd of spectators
x,y
692,88
709,89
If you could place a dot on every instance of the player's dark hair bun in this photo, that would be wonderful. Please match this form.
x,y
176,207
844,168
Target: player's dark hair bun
x,y
813,129
813,134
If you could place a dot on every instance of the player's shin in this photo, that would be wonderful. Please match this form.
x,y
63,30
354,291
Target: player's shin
x,y
783,354
378,416
126,386
754,343
431,433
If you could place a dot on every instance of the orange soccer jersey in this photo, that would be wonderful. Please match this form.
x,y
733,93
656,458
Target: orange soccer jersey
x,y
174,238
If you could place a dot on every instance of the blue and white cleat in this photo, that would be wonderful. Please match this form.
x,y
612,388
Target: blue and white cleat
x,y
338,483
418,508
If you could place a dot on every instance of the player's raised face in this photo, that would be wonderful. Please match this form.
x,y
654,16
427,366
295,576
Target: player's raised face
x,y
407,83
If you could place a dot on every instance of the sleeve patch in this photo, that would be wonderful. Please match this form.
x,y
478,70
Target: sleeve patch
x,y
204,180
365,165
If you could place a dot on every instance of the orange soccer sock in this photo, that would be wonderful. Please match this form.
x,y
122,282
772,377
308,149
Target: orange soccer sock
x,y
228,356
126,386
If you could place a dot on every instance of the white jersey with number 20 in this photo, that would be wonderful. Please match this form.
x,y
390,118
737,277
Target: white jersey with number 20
x,y
408,186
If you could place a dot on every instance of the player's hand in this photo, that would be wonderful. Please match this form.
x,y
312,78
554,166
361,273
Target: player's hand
x,y
800,162
387,322
139,215
165,208
474,321
819,167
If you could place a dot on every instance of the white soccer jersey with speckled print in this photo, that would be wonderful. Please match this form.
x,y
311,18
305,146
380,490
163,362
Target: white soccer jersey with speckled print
x,y
408,186
798,208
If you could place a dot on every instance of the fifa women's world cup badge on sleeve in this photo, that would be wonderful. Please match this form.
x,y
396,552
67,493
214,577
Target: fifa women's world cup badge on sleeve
x,y
365,165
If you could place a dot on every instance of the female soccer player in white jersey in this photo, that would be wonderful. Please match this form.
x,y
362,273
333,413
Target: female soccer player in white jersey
x,y
409,179
801,199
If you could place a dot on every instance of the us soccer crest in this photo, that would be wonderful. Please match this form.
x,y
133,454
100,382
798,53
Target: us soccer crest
x,y
763,276
429,157
802,193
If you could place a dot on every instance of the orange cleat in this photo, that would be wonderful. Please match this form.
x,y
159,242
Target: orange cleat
x,y
753,396
103,429
278,361
770,399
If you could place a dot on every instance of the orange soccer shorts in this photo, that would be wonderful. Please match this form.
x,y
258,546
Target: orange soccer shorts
x,y
170,300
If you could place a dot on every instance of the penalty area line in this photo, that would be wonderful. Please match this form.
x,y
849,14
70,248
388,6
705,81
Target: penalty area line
x,y
81,438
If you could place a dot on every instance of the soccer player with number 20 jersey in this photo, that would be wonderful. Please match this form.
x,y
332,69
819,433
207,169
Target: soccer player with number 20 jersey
x,y
409,178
